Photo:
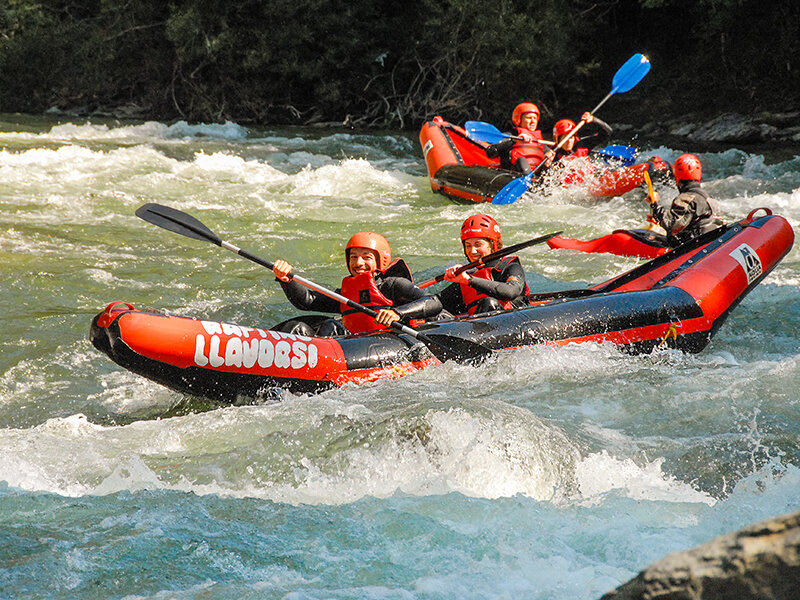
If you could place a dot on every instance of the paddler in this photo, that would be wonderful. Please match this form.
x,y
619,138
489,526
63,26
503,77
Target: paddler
x,y
497,285
591,137
560,159
374,281
691,212
524,153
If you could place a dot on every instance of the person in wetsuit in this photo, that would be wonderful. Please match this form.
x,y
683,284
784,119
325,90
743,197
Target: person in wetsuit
x,y
497,285
595,132
690,213
525,152
373,281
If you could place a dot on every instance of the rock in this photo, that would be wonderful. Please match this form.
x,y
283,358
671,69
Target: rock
x,y
732,128
761,561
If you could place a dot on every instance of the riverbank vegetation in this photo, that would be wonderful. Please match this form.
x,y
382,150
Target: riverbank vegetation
x,y
394,64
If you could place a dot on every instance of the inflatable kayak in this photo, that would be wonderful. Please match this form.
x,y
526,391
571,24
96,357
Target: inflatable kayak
x,y
459,168
640,243
679,299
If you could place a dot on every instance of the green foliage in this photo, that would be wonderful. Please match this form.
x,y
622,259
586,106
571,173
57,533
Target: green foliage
x,y
393,64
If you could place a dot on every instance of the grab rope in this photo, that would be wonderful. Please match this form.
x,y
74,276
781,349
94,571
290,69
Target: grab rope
x,y
672,332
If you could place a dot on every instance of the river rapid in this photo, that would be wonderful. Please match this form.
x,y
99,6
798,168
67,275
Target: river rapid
x,y
552,473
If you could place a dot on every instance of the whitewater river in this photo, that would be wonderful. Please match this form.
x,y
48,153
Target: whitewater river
x,y
552,473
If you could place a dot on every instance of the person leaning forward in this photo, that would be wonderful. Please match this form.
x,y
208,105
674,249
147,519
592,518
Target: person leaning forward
x,y
690,213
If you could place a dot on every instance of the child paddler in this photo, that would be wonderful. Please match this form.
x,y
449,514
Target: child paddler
x,y
374,281
499,284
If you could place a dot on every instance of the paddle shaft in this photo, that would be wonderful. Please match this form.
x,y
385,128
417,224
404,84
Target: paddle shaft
x,y
477,264
652,198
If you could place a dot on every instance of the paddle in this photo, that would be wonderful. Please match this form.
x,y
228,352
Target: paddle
x,y
652,198
628,75
499,254
486,132
625,154
443,347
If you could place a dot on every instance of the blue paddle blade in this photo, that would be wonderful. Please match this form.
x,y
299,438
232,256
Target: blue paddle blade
x,y
631,73
624,154
484,132
512,191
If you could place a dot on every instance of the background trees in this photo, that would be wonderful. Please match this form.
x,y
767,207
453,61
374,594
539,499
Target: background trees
x,y
303,61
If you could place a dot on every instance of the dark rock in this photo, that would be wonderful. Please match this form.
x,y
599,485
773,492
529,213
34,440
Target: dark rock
x,y
732,128
761,561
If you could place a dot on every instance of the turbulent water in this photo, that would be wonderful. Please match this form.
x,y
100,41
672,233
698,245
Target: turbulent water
x,y
553,473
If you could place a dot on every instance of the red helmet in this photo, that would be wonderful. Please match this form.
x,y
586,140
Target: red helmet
x,y
521,109
563,127
687,166
482,226
371,241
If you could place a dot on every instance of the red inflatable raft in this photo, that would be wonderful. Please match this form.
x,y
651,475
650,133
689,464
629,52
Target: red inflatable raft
x,y
459,168
679,299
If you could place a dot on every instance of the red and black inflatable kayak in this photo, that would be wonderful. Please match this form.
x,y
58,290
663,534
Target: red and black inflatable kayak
x,y
459,168
679,299
640,243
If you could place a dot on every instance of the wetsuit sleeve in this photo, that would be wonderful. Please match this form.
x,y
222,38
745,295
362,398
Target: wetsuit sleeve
x,y
500,148
305,299
399,290
679,215
409,301
449,299
510,284
599,132
422,308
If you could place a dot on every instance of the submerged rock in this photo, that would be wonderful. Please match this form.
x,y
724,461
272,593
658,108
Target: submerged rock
x,y
761,561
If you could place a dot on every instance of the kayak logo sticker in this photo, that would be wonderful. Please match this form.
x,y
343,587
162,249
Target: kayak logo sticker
x,y
751,263
427,148
237,346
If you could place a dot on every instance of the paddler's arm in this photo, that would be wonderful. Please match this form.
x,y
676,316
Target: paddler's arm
x,y
410,302
300,296
511,287
503,147
602,131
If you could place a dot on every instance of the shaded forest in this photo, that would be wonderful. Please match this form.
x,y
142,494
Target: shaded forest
x,y
370,64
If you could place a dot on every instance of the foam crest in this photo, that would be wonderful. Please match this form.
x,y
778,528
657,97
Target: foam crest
x,y
600,473
351,177
151,130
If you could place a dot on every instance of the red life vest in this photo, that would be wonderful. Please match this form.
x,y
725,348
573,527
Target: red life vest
x,y
362,289
472,297
532,152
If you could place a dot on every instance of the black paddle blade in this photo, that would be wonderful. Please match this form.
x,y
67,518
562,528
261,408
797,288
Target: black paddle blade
x,y
176,221
447,347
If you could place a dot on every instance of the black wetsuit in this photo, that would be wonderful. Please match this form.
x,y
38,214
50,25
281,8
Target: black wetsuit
x,y
689,215
508,286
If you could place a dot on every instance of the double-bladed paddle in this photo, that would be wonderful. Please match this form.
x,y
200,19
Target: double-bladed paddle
x,y
628,75
477,264
443,347
486,132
